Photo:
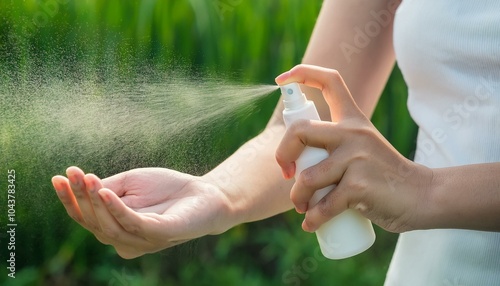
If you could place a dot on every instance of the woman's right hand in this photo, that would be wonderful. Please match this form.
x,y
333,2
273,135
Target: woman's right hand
x,y
144,210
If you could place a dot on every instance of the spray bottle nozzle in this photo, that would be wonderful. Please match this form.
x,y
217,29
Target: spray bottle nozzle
x,y
293,96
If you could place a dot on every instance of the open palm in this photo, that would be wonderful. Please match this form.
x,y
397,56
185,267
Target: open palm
x,y
142,210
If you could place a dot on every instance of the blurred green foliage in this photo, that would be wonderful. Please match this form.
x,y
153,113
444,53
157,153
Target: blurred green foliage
x,y
246,41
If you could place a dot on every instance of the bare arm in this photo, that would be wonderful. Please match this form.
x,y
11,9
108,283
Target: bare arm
x,y
250,178
148,209
466,197
340,41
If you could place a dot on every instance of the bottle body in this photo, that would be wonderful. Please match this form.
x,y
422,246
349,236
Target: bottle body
x,y
348,233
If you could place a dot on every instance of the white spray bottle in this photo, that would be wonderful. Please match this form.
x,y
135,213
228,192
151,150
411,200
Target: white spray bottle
x,y
348,233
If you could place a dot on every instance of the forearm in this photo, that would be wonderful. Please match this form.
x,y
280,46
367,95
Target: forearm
x,y
251,179
464,197
364,60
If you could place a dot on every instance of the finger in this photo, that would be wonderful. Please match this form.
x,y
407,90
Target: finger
x,y
347,194
77,184
148,225
314,182
118,222
301,134
65,195
109,229
329,206
92,184
331,84
116,183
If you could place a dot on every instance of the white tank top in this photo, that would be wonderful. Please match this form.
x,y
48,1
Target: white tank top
x,y
449,54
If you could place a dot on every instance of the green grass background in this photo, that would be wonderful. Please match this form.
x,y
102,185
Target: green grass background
x,y
242,40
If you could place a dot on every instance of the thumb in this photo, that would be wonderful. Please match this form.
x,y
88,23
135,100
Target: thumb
x,y
330,83
117,183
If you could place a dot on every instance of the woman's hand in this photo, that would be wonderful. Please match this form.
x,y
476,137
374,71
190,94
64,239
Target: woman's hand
x,y
143,210
371,176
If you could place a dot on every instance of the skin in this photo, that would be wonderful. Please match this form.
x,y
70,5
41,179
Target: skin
x,y
146,210
142,210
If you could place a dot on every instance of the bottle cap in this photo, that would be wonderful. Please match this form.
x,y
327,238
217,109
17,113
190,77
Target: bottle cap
x,y
293,96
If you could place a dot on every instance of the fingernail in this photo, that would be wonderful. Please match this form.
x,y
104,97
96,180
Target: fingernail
x,y
56,185
301,208
90,187
59,189
286,174
282,77
289,171
306,227
73,180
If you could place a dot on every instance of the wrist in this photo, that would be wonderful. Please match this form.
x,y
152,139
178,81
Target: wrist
x,y
463,197
247,198
425,212
232,211
438,209
441,209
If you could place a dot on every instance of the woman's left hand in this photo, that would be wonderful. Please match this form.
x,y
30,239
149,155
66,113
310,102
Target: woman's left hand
x,y
371,175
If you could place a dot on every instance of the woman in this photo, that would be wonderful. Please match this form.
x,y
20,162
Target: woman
x,y
446,204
